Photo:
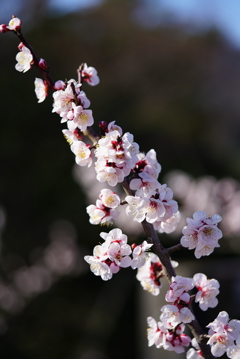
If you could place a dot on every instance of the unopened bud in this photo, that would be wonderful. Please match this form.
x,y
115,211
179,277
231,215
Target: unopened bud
x,y
103,127
77,132
59,85
20,46
3,28
43,64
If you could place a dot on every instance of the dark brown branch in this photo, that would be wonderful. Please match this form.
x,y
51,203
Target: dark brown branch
x,y
169,272
174,248
160,250
45,73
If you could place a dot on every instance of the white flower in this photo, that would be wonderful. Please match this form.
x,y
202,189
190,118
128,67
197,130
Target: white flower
x,y
172,316
219,344
156,333
169,225
178,286
148,163
82,152
90,75
40,89
109,198
82,118
105,209
119,253
224,332
201,233
151,273
207,291
233,351
139,255
110,175
24,59
222,325
192,353
14,24
97,262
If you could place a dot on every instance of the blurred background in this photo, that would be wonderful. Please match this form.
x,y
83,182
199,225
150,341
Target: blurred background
x,y
170,74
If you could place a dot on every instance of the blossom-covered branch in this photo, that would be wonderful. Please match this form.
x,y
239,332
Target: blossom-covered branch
x,y
118,161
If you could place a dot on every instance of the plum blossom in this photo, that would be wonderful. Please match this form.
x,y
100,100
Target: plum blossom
x,y
59,85
173,315
112,255
207,291
223,333
148,164
156,333
14,24
194,353
144,186
82,152
176,340
41,89
159,207
116,157
201,233
169,225
168,339
98,262
105,209
139,255
233,351
89,74
178,287
64,103
109,198
82,118
24,59
150,274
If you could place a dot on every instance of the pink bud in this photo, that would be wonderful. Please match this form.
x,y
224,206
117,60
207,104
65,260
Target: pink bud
x,y
185,339
103,126
20,46
78,133
3,28
43,64
170,337
59,85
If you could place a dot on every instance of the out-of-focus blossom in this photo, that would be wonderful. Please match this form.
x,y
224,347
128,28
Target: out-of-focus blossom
x,y
41,89
89,74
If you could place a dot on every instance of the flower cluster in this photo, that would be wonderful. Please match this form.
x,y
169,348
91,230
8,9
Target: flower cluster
x,y
201,233
150,274
115,253
105,209
178,312
168,339
224,336
116,155
153,201
118,160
